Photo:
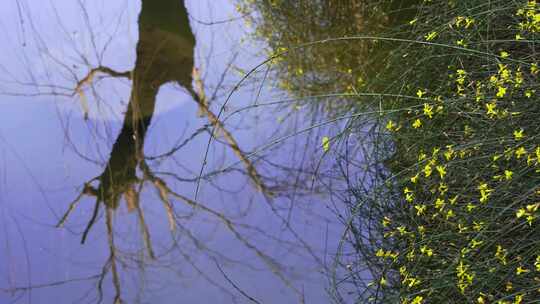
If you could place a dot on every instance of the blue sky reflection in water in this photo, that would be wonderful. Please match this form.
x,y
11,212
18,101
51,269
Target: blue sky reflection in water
x,y
55,139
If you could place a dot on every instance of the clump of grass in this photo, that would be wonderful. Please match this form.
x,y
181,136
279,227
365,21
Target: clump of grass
x,y
454,218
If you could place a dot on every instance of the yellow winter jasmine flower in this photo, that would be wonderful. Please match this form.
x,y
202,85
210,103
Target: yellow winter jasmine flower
x,y
475,243
423,156
459,20
441,170
390,126
518,134
414,179
485,192
402,230
420,93
430,36
508,174
470,207
418,300
532,207
428,110
477,226
501,254
409,197
537,263
491,108
420,209
530,219
520,152
417,123
501,91
519,37
443,188
504,54
439,203
427,170
534,69
383,282
520,270
468,22
386,221
449,153
413,21
530,160
326,143
518,299
421,230
427,251
521,212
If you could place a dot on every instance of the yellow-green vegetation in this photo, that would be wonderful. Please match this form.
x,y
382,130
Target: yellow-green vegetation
x,y
453,216
467,159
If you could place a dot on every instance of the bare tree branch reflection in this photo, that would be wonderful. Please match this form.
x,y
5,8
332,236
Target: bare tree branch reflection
x,y
165,54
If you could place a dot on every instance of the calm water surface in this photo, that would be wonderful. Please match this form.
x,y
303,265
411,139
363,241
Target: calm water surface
x,y
111,187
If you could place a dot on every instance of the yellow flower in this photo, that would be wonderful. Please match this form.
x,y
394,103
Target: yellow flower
x,y
508,174
431,36
532,207
441,170
420,93
439,203
428,110
501,254
534,69
491,108
521,213
518,134
326,143
417,123
420,209
504,54
390,126
520,270
418,300
427,251
501,91
475,243
520,152
509,286
427,170
414,179
468,22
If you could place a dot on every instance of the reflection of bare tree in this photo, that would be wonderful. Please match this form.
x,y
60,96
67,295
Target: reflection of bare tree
x,y
164,54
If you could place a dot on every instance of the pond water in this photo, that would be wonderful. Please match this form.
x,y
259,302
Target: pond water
x,y
112,188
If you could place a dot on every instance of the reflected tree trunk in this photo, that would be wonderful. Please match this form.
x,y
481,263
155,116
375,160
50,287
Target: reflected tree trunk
x,y
165,53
